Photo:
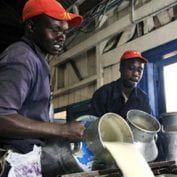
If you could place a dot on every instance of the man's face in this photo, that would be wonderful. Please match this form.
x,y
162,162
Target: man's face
x,y
131,72
49,34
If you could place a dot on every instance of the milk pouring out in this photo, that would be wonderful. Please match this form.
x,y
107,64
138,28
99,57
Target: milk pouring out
x,y
129,159
110,139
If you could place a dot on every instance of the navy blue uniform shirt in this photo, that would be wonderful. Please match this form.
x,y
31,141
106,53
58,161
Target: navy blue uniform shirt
x,y
109,98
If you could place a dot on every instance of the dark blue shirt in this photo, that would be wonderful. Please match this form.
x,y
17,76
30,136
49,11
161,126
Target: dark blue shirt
x,y
24,85
109,98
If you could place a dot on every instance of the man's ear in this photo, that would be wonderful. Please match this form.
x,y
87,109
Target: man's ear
x,y
30,26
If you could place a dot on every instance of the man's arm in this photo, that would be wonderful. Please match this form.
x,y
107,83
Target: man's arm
x,y
18,126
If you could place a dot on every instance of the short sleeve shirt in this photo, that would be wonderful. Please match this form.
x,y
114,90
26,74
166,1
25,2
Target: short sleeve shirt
x,y
24,81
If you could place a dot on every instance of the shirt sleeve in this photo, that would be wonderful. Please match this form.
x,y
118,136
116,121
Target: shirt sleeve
x,y
15,82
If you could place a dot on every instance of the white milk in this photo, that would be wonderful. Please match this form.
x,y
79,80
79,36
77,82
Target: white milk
x,y
128,158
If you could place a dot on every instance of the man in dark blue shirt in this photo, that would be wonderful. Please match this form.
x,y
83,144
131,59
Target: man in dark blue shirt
x,y
25,77
122,95
25,80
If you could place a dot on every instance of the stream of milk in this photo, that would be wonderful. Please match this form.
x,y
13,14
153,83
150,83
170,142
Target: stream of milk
x,y
128,158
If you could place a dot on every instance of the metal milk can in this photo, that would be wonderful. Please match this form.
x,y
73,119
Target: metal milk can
x,y
168,136
145,128
109,128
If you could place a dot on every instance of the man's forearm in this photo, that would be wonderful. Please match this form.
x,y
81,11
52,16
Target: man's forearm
x,y
18,126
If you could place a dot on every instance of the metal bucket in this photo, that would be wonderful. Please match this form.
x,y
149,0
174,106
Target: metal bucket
x,y
109,128
145,128
168,136
169,121
168,143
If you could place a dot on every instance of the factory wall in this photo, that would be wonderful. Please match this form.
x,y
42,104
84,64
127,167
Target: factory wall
x,y
92,59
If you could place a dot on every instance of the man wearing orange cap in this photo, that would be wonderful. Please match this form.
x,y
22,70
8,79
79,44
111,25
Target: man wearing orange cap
x,y
122,95
25,79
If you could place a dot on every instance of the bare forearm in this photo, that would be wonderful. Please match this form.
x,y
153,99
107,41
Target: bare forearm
x,y
17,126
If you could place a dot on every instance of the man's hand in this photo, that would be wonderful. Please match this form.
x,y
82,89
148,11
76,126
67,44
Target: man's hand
x,y
74,130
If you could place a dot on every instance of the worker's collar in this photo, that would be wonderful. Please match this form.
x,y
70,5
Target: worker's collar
x,y
41,55
34,47
118,92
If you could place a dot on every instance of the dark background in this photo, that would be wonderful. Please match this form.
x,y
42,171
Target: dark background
x,y
11,28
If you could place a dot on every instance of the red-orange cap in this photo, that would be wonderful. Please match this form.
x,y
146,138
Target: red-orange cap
x,y
52,8
132,54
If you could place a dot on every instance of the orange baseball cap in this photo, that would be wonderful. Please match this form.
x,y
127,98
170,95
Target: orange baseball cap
x,y
52,8
132,54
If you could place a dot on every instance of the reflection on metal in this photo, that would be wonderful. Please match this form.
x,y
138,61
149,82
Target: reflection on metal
x,y
145,128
